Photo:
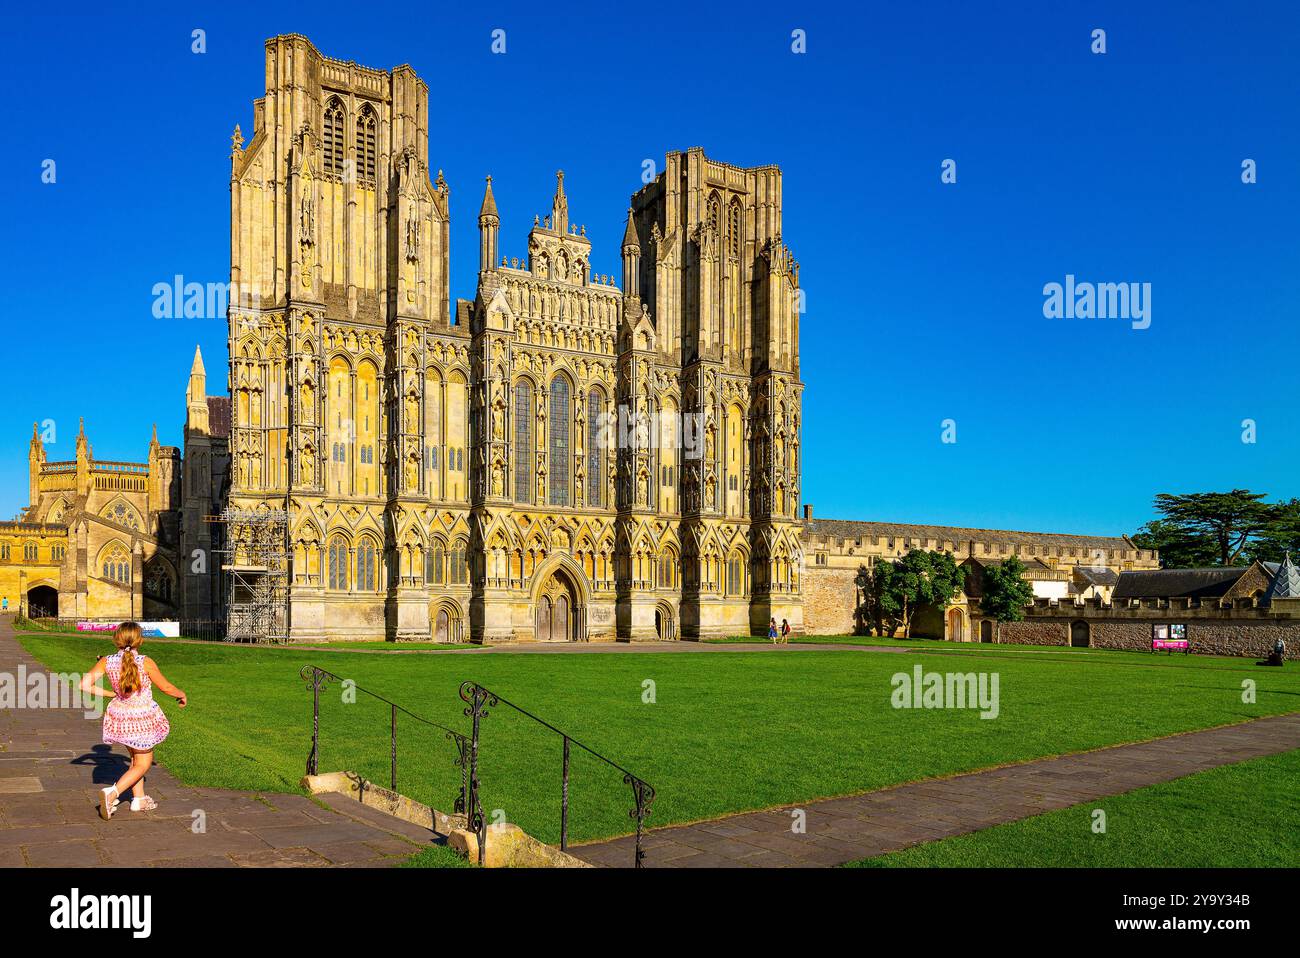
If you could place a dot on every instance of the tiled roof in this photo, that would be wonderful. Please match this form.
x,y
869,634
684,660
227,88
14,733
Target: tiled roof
x,y
219,416
1177,583
1096,576
852,529
1286,582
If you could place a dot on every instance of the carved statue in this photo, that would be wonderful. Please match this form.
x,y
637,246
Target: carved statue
x,y
412,238
307,223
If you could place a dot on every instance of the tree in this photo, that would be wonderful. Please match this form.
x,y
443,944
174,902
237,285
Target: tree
x,y
1280,536
918,578
1006,591
1178,548
1207,528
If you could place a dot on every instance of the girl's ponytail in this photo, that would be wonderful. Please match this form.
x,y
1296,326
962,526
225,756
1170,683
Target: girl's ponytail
x,y
127,638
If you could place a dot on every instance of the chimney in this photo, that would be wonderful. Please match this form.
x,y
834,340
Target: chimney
x,y
807,511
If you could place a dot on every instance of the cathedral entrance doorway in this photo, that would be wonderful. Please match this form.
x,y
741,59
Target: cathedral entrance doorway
x,y
557,615
665,626
42,602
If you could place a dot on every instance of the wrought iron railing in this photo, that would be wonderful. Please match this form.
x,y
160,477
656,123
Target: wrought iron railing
x,y
479,700
316,677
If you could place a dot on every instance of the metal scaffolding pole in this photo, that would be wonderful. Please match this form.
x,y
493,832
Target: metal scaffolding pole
x,y
255,560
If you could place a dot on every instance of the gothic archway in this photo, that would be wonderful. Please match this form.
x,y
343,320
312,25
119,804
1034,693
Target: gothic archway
x,y
555,611
956,628
1080,634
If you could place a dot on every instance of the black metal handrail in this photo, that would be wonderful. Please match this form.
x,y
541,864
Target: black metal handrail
x,y
479,699
315,677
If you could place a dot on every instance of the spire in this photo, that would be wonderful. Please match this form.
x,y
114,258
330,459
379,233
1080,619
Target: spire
x,y
1286,583
489,202
560,206
196,368
630,239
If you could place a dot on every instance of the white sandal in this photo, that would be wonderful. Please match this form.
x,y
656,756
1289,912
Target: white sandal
x,y
143,804
108,805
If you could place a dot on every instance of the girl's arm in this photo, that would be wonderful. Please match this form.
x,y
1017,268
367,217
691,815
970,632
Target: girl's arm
x,y
158,679
90,682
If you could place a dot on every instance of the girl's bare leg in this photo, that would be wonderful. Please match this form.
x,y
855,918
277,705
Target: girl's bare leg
x,y
133,777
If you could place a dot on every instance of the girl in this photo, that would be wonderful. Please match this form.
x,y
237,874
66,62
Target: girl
x,y
133,718
771,631
785,631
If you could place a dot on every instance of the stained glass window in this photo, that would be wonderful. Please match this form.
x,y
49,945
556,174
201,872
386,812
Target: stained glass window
x,y
595,455
523,441
559,448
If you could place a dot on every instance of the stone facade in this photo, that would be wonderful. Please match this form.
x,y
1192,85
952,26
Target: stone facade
x,y
446,474
835,549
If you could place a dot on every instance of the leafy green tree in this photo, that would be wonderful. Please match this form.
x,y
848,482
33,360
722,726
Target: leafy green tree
x,y
1280,536
918,578
1208,528
1006,591
1178,548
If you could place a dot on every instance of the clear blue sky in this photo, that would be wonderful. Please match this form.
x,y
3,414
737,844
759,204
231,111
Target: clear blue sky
x,y
924,299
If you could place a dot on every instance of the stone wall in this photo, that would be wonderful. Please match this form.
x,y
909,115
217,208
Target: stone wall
x,y
1032,632
1243,628
829,598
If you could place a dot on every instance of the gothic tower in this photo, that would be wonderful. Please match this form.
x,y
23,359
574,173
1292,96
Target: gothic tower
x,y
347,376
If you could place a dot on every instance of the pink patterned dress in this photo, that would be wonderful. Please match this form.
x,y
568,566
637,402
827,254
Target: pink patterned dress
x,y
135,721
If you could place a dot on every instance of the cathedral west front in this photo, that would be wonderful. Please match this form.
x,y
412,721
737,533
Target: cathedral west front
x,y
453,469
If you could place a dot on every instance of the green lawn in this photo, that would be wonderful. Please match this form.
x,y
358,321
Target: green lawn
x,y
1237,816
728,730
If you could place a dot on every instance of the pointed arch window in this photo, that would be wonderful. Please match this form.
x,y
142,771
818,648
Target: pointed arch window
x,y
523,441
332,142
595,455
558,456
338,563
366,579
733,231
365,154
434,565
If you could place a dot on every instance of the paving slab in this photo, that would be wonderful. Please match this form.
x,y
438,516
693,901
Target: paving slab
x,y
853,827
53,763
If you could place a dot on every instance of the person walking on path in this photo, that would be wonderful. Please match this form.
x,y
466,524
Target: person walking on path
x,y
771,631
133,719
785,632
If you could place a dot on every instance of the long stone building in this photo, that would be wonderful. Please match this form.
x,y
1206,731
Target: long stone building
x,y
568,455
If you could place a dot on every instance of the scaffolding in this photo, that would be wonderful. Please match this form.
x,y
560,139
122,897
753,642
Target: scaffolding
x,y
255,562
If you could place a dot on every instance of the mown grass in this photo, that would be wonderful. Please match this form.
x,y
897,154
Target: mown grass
x,y
1236,816
724,732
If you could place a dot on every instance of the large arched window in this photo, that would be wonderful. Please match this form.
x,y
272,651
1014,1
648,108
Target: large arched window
x,y
338,563
434,565
365,155
736,569
523,441
366,580
115,563
458,567
558,457
332,141
595,454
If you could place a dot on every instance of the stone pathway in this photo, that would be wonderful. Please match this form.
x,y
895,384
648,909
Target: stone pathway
x,y
52,765
846,829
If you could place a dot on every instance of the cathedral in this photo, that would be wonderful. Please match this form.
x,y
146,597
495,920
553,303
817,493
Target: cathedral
x,y
567,456
451,469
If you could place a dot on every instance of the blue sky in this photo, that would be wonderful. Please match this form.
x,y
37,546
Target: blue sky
x,y
924,300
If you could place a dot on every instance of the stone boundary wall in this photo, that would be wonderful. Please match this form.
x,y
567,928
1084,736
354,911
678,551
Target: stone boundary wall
x,y
829,599
1242,629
